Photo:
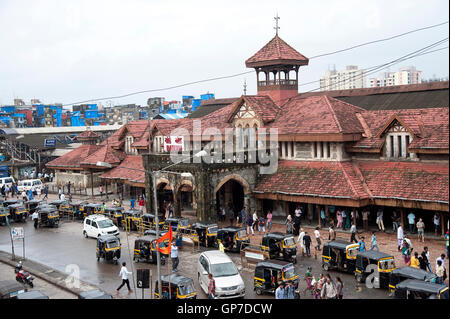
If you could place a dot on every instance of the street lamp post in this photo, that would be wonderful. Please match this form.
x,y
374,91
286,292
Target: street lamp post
x,y
155,205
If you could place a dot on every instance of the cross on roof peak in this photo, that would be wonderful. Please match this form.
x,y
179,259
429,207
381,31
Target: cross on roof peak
x,y
276,23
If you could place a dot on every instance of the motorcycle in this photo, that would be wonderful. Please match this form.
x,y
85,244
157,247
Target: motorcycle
x,y
23,276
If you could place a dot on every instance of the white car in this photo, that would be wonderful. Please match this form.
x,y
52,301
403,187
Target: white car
x,y
29,184
229,283
97,225
7,181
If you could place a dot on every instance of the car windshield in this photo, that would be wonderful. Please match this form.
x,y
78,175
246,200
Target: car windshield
x,y
225,269
105,223
288,272
387,264
188,289
112,244
289,241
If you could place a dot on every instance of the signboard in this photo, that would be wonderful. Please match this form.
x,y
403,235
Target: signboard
x,y
254,255
50,142
173,143
143,278
17,233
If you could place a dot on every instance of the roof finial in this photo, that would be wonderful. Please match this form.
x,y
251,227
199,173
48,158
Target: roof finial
x,y
276,23
245,87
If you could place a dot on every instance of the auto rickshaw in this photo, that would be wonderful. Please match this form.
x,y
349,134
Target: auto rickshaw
x,y
269,274
115,214
419,289
232,238
60,204
90,209
280,246
12,201
18,212
48,216
181,287
403,273
149,221
77,209
108,248
4,213
132,219
152,232
33,204
339,255
368,261
179,224
207,233
145,249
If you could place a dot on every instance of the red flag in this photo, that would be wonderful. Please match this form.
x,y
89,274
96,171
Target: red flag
x,y
166,236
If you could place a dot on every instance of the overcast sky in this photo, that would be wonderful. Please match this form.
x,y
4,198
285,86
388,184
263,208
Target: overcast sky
x,y
69,51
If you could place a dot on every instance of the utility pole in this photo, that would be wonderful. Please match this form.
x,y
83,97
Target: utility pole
x,y
158,262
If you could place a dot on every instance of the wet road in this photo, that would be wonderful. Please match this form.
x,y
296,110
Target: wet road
x,y
63,246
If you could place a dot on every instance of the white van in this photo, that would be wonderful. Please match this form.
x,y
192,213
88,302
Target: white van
x,y
7,181
28,184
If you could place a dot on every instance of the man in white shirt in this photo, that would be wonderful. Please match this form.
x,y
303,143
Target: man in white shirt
x,y
300,241
63,197
318,239
124,274
174,257
411,222
399,237
35,218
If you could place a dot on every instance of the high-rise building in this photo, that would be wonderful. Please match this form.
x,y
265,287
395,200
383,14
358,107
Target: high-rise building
x,y
350,78
404,76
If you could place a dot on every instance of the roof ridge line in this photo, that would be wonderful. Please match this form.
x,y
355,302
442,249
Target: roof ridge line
x,y
333,113
347,178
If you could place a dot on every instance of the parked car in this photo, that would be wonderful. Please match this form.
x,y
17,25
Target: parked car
x,y
97,225
229,283
7,181
28,184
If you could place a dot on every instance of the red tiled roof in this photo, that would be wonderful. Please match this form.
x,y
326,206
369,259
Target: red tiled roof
x,y
411,181
121,171
429,126
105,154
317,115
87,134
73,158
308,178
276,51
263,105
143,141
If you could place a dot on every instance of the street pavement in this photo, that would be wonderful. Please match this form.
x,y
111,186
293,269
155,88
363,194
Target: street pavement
x,y
62,247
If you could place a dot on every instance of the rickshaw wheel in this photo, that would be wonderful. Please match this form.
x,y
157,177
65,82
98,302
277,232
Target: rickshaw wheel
x,y
259,291
358,277
85,234
325,267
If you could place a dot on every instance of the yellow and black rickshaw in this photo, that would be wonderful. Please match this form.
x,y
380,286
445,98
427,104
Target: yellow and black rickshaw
x,y
132,219
178,224
403,273
18,212
339,255
108,248
207,233
280,246
232,238
60,204
76,210
269,274
4,213
145,249
91,208
12,201
115,214
149,221
180,287
48,216
369,261
33,204
419,289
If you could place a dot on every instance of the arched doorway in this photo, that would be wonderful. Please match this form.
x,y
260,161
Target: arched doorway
x,y
185,198
231,193
164,194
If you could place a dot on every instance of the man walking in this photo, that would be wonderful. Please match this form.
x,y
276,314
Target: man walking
x,y
307,244
380,222
250,225
365,217
399,236
35,218
269,221
300,241
68,187
318,238
46,192
362,244
279,292
174,257
420,230
374,242
124,274
426,259
353,235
